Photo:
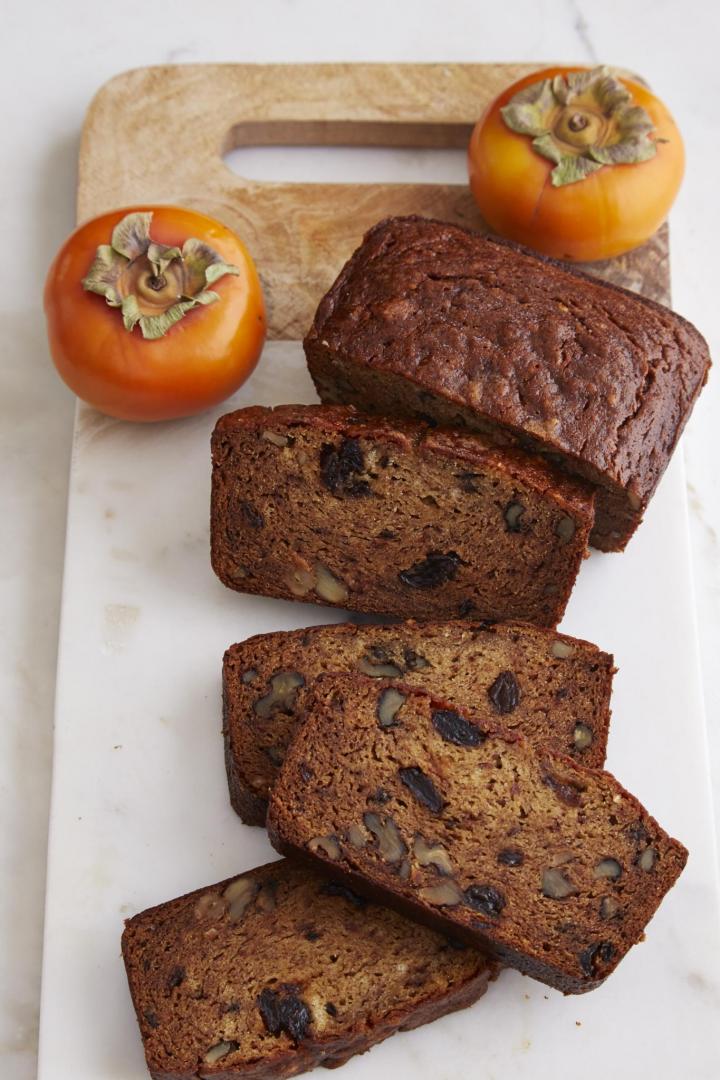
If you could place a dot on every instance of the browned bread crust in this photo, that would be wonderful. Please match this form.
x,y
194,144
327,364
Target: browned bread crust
x,y
552,688
317,503
431,319
553,868
237,979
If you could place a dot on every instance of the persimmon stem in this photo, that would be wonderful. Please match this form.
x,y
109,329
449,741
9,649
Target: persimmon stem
x,y
582,122
154,285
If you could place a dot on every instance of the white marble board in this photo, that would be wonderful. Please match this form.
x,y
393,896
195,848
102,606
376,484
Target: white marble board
x,y
139,805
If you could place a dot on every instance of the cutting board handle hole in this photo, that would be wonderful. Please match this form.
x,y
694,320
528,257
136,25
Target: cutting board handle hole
x,y
350,152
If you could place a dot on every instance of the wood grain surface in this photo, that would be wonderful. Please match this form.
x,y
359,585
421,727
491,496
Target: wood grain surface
x,y
158,135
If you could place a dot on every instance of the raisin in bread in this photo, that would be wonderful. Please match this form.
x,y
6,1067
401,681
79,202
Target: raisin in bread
x,y
429,319
553,868
552,688
317,503
278,970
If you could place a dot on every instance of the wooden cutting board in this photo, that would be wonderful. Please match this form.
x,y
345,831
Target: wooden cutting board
x,y
158,135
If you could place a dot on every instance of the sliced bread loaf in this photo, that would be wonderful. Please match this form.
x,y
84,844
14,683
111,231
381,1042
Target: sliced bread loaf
x,y
273,972
553,868
316,503
553,688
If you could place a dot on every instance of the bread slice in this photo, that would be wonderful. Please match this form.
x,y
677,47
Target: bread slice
x,y
430,319
553,868
553,688
316,503
278,970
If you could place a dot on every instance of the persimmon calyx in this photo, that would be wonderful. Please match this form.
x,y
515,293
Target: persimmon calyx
x,y
582,121
153,285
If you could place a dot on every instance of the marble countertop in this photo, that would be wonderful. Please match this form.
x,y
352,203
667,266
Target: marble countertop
x,y
56,57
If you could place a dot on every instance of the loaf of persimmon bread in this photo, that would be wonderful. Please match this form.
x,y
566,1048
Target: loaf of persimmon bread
x,y
553,868
429,319
317,503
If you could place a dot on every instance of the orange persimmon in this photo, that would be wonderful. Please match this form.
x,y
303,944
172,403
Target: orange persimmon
x,y
589,168
154,312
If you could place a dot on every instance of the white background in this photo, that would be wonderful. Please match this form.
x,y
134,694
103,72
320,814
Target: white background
x,y
54,57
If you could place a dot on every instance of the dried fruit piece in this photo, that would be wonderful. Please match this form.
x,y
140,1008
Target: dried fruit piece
x,y
389,704
567,790
512,514
176,977
266,899
562,649
432,855
637,833
422,787
390,843
456,729
327,844
504,693
510,857
582,736
595,956
275,754
556,886
249,676
447,894
284,1011
341,468
413,660
486,899
284,686
328,587
334,888
432,571
253,517
608,868
467,481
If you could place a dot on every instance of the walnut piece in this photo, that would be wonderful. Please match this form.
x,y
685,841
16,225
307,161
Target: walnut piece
x,y
327,844
428,854
390,843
